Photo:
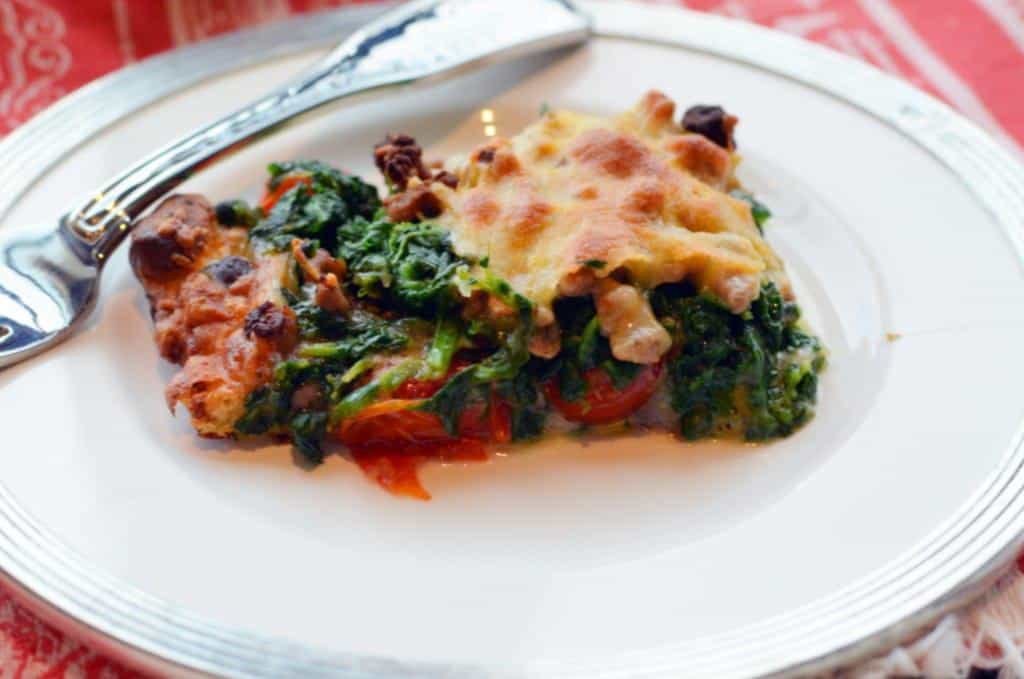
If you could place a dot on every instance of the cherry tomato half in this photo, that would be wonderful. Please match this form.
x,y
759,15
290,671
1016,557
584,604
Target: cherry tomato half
x,y
602,403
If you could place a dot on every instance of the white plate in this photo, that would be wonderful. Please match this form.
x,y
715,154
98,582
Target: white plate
x,y
638,556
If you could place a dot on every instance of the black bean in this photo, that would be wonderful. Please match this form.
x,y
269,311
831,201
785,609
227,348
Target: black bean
x,y
229,269
711,122
267,321
226,214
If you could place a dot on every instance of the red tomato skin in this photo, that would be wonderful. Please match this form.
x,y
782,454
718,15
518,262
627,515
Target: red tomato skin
x,y
603,404
390,440
270,198
397,474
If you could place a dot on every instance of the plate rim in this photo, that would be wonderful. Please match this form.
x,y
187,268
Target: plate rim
x,y
142,630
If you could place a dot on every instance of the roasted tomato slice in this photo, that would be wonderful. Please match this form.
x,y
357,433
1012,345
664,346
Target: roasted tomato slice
x,y
270,198
390,439
398,472
603,403
396,422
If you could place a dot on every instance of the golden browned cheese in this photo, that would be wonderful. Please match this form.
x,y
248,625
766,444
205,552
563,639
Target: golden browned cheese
x,y
216,313
576,198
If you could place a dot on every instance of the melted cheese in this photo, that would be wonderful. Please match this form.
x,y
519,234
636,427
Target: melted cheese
x,y
575,197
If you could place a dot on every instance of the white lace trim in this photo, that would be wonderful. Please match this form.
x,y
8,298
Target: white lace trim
x,y
989,635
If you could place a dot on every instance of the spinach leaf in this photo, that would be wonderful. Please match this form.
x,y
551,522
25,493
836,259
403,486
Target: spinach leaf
x,y
523,398
329,367
263,409
584,348
408,267
363,336
363,245
451,400
366,394
236,213
315,210
756,371
269,408
758,210
504,364
422,262
308,430
442,348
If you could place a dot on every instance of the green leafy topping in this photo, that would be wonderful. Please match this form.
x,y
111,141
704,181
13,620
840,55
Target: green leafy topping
x,y
263,410
589,350
362,337
571,385
423,263
504,364
329,367
622,372
314,321
363,245
759,210
595,263
308,431
358,369
368,393
442,349
407,266
451,400
756,372
314,211
236,213
269,408
523,398
584,348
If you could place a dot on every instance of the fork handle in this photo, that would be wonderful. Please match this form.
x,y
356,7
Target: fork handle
x,y
102,222
420,40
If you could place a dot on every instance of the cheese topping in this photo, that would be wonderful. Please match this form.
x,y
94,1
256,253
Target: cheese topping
x,y
576,198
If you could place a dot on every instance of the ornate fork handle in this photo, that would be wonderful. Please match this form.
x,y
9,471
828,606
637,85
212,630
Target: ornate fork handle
x,y
423,39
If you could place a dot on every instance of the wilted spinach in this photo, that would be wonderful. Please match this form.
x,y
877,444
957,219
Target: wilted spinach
x,y
756,371
314,209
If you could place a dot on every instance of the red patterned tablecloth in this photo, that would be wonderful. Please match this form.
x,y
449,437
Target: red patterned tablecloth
x,y
968,52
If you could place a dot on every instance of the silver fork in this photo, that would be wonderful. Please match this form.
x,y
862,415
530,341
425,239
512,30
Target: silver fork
x,y
49,275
